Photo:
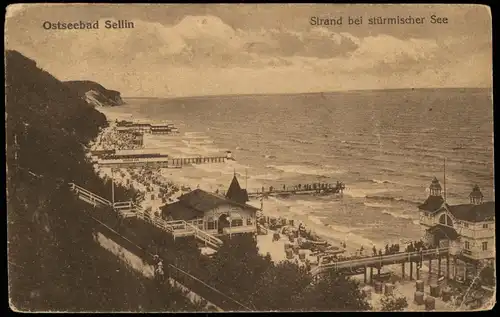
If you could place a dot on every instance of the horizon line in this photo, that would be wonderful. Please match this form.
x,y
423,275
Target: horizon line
x,y
299,93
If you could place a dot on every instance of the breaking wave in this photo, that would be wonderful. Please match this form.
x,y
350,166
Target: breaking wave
x,y
397,215
306,170
302,141
389,198
377,205
376,181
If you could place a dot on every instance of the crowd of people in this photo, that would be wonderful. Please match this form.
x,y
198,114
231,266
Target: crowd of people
x,y
112,139
414,246
417,246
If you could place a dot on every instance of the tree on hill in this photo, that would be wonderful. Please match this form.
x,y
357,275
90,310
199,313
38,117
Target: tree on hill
x,y
281,287
335,292
237,266
393,303
487,275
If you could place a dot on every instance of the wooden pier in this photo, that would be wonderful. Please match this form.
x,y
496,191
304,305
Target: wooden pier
x,y
197,160
306,189
361,265
162,163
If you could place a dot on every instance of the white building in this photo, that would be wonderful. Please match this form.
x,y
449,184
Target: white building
x,y
469,229
215,214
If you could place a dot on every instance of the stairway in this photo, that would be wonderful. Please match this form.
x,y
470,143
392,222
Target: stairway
x,y
205,237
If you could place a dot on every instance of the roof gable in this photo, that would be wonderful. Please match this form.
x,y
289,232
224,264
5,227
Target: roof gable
x,y
432,203
205,201
443,232
178,211
474,213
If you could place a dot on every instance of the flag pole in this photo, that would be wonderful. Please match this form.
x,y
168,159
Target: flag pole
x,y
444,178
112,187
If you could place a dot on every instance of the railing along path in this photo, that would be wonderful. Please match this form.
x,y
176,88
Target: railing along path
x,y
177,228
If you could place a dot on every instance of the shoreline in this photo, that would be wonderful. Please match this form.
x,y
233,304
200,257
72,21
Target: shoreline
x,y
323,232
334,231
154,199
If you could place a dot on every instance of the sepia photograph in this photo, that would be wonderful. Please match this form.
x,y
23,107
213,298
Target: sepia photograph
x,y
249,158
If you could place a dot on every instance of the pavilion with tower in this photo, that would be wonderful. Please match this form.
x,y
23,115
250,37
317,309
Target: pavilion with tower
x,y
213,213
467,229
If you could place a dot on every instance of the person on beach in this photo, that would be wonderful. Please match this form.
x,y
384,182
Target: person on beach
x,y
374,250
159,273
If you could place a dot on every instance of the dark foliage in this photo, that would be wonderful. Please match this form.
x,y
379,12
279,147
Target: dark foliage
x,y
54,263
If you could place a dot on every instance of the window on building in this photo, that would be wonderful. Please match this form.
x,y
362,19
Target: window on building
x,y
446,220
249,221
467,245
237,222
466,225
485,226
210,225
485,246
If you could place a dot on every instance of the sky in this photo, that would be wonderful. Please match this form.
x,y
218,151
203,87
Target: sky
x,y
209,49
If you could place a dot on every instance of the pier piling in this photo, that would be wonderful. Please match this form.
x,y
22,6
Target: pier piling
x,y
448,267
439,267
365,275
371,275
411,271
403,269
454,268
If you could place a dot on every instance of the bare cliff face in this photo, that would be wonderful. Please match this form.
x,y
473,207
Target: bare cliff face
x,y
95,94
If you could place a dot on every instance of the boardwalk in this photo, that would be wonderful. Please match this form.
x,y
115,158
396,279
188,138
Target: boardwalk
x,y
159,162
359,266
306,189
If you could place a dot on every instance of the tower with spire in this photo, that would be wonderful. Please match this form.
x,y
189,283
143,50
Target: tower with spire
x,y
476,197
236,193
435,188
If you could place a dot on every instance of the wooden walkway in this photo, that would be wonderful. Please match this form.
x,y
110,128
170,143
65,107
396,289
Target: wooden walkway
x,y
161,163
176,228
309,189
358,266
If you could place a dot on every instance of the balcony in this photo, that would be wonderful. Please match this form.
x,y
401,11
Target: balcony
x,y
484,233
478,255
240,229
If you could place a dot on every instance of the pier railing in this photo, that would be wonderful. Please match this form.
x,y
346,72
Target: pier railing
x,y
380,260
302,190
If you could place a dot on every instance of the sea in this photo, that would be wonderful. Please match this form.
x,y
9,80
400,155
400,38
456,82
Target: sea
x,y
384,145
